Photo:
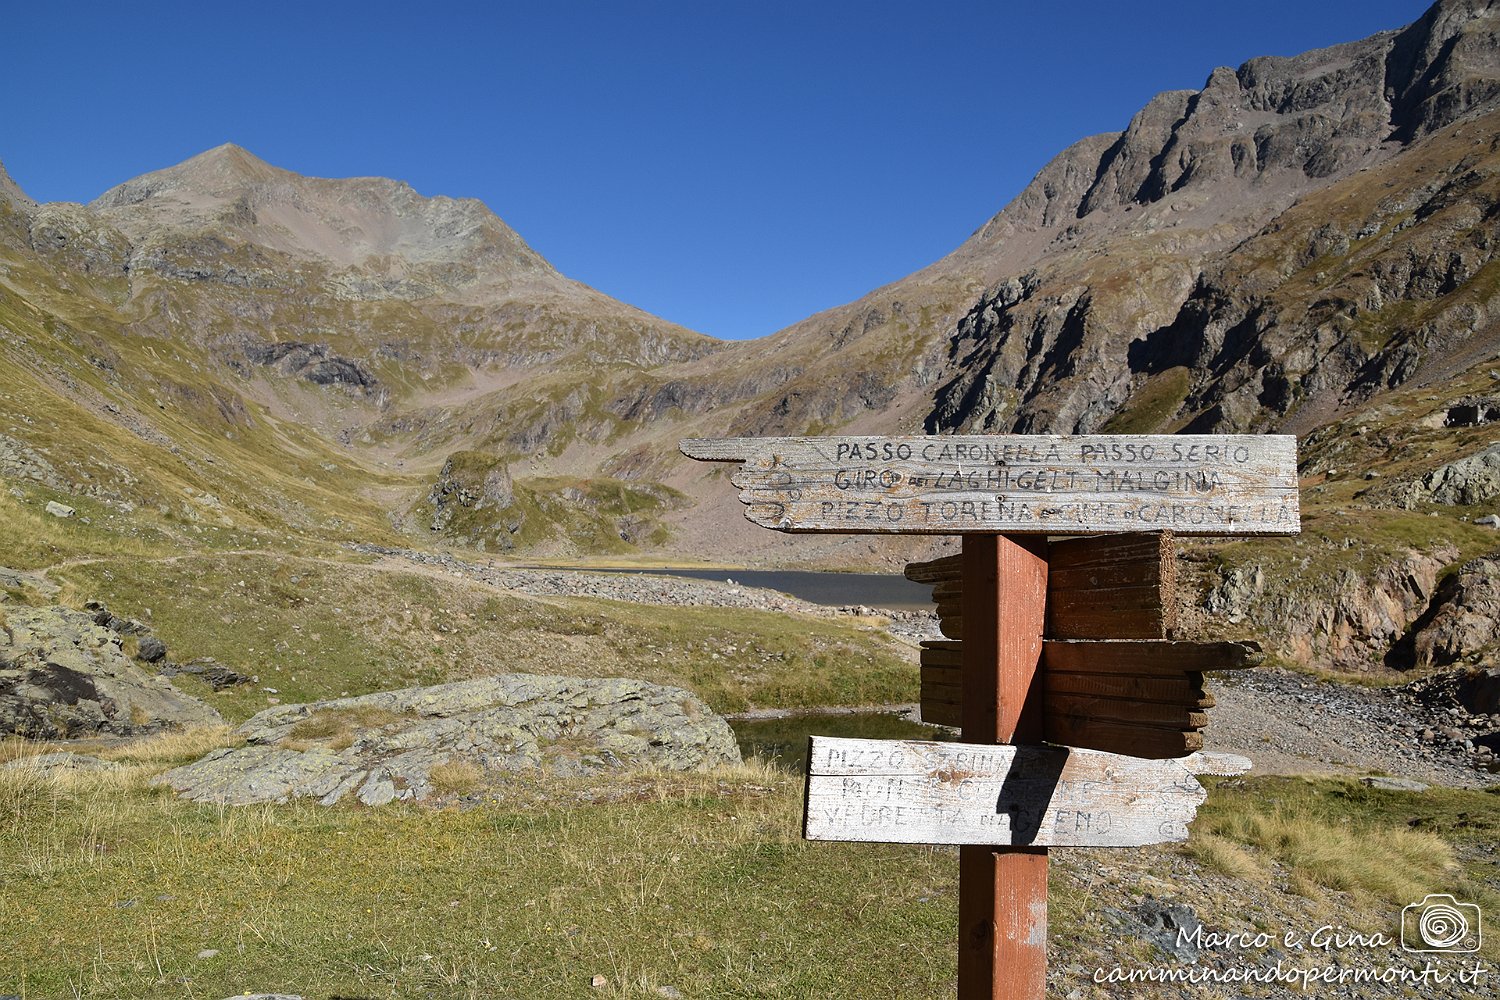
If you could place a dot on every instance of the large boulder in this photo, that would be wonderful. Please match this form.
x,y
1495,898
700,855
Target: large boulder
x,y
63,675
1471,480
1462,625
415,743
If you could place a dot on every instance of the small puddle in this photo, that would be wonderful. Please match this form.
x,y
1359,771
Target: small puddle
x,y
784,741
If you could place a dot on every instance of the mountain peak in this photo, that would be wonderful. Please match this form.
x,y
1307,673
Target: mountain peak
x,y
229,161
355,222
227,170
1259,137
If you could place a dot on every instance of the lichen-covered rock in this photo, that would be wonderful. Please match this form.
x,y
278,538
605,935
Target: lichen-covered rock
x,y
62,675
385,747
1470,480
50,763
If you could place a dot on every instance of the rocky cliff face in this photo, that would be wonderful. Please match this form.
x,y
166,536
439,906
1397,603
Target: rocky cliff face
x,y
1152,306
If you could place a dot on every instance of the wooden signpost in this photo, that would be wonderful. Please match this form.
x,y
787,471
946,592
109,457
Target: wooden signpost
x,y
1069,642
913,792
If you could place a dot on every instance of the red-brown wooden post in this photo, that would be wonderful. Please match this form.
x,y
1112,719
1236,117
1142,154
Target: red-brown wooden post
x,y
1002,892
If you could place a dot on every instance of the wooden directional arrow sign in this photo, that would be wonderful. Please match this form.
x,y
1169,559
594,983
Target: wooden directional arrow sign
x,y
1016,484
912,792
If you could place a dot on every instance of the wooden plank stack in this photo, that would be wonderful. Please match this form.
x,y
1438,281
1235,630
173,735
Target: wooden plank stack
x,y
1114,678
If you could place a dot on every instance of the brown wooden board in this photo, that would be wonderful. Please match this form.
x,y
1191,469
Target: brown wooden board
x,y
1174,690
914,792
1083,707
1098,656
1098,587
1130,656
1147,742
937,713
1016,484
938,688
935,571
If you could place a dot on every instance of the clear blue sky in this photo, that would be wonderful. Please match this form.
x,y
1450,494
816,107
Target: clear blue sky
x,y
731,166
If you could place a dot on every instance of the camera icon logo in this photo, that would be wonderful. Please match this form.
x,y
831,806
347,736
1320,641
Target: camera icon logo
x,y
1441,923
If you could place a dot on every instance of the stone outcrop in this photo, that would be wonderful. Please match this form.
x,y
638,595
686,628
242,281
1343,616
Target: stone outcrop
x,y
53,763
417,743
313,362
1345,620
70,235
474,500
18,461
63,675
1470,480
1462,624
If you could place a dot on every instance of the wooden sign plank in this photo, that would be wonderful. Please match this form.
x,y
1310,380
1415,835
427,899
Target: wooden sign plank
x,y
1103,695
1015,483
1097,656
1147,742
1216,762
1127,656
1098,587
1183,687
940,713
948,569
1083,707
913,792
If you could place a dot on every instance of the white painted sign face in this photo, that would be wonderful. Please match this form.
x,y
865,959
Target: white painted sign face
x,y
916,792
1016,483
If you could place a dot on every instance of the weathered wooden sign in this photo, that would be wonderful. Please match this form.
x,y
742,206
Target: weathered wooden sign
x,y
1016,484
1143,696
913,792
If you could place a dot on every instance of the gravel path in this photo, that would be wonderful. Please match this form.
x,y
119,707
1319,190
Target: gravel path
x,y
636,588
1292,724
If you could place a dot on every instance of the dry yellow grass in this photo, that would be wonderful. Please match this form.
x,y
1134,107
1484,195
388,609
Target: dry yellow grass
x,y
1227,858
174,746
1388,862
456,777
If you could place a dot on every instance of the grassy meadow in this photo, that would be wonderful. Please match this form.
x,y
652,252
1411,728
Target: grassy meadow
x,y
694,885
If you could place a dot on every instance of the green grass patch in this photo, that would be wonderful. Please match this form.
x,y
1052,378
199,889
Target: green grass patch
x,y
1152,404
315,630
697,882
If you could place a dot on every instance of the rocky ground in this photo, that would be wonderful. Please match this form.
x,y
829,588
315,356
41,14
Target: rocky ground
x,y
1293,724
455,739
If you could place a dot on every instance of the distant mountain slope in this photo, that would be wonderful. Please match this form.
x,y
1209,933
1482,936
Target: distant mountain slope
x,y
1029,325
1305,244
379,238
